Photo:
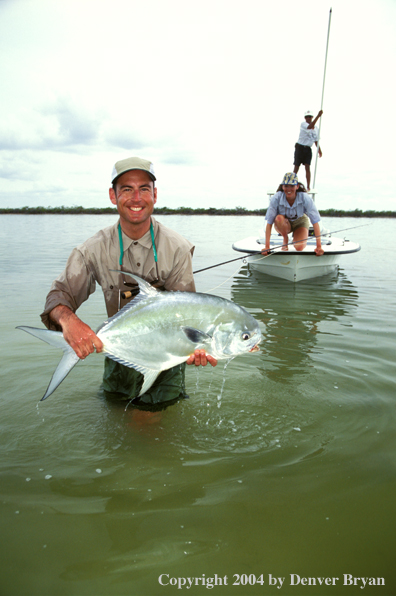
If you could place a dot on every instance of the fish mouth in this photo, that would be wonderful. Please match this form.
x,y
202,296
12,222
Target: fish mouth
x,y
255,348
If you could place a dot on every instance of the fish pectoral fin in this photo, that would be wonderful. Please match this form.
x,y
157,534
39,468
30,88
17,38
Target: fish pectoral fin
x,y
195,335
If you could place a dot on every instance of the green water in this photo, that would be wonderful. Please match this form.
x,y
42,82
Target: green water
x,y
281,465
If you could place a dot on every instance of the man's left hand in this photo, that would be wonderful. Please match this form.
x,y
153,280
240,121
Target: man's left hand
x,y
319,251
201,358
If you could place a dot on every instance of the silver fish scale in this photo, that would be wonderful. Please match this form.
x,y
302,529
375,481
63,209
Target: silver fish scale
x,y
151,333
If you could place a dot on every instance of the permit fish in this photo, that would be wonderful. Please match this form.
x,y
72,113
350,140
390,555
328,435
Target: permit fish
x,y
158,330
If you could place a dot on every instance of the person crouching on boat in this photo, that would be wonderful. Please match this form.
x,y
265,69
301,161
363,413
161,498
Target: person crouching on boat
x,y
290,210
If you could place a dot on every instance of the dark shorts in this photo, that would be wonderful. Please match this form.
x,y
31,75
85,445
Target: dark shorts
x,y
302,155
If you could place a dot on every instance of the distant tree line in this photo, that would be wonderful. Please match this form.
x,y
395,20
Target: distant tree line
x,y
78,210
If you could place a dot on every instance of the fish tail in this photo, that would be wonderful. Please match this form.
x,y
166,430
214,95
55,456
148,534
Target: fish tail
x,y
68,361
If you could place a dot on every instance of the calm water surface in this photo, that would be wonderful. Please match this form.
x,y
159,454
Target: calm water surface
x,y
282,463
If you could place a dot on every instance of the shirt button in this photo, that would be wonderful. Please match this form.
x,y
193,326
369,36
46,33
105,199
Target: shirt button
x,y
138,264
135,243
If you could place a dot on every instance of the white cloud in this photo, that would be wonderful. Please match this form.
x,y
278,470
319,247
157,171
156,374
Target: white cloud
x,y
212,91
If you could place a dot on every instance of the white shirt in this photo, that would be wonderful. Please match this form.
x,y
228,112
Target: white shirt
x,y
308,137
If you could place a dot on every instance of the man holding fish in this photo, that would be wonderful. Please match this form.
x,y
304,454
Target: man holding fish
x,y
137,244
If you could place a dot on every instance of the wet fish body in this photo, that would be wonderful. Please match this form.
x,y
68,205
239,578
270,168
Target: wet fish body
x,y
158,330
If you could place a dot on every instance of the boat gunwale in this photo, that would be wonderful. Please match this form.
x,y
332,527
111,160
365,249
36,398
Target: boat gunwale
x,y
298,252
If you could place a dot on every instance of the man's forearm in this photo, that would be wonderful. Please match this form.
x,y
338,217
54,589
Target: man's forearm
x,y
312,124
61,314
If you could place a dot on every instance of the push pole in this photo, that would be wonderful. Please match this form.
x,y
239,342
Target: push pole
x,y
323,87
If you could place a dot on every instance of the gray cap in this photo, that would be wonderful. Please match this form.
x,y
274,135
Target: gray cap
x,y
132,163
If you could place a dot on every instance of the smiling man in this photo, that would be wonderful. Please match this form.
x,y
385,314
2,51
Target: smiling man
x,y
134,194
137,244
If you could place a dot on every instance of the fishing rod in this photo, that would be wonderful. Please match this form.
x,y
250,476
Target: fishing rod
x,y
321,105
272,251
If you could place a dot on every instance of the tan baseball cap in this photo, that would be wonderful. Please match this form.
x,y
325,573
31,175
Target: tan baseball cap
x,y
132,163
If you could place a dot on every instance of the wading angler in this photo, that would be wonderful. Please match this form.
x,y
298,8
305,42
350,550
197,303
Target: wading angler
x,y
157,322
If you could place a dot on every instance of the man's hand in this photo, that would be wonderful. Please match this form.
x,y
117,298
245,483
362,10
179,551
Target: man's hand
x,y
319,251
78,335
201,358
81,338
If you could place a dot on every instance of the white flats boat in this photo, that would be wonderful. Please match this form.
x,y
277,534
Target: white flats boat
x,y
294,265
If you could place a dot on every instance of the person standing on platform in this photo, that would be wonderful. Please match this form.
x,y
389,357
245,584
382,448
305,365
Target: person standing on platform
x,y
309,134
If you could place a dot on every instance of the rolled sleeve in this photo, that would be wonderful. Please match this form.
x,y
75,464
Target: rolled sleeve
x,y
75,284
311,210
272,210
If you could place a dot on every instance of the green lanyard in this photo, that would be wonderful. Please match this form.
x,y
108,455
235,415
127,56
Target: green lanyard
x,y
122,244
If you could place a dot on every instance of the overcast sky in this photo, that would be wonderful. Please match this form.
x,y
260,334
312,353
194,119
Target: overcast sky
x,y
212,91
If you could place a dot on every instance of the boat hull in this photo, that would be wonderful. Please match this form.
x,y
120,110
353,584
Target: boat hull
x,y
293,265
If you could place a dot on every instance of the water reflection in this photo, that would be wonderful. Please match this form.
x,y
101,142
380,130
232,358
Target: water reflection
x,y
267,410
294,315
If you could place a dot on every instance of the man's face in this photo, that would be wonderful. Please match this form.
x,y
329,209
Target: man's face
x,y
308,119
135,197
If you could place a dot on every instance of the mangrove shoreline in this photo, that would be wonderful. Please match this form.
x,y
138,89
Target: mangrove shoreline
x,y
78,210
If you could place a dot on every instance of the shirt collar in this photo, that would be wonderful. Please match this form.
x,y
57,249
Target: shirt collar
x,y
285,202
144,241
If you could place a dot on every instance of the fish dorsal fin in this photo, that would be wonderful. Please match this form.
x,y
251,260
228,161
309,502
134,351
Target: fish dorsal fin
x,y
130,305
145,291
195,335
145,288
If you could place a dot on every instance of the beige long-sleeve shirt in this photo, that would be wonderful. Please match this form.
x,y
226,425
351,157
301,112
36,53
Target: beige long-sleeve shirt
x,y
92,262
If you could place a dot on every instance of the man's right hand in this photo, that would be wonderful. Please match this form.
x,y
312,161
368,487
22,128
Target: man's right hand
x,y
77,333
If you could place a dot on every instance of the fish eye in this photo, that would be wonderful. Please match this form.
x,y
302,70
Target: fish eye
x,y
245,336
